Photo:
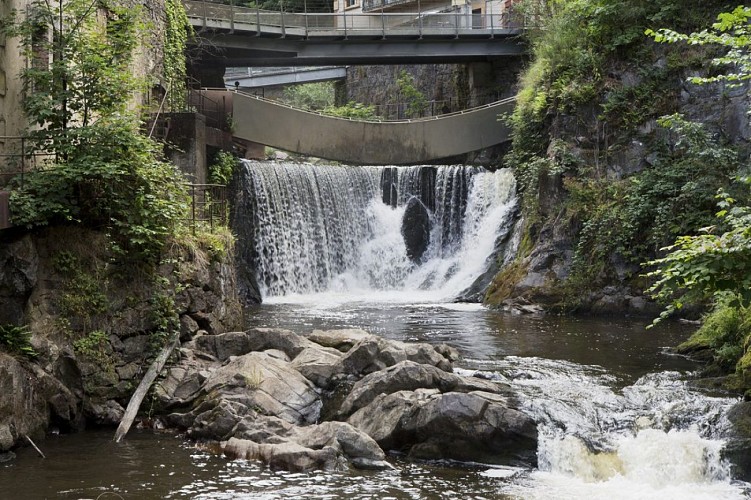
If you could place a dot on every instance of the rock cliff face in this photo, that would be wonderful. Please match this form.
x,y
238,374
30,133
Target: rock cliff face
x,y
551,240
95,326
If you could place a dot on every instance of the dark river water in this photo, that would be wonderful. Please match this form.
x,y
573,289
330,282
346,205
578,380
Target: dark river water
x,y
605,384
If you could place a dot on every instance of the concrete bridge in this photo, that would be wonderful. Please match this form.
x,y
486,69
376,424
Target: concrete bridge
x,y
368,142
241,36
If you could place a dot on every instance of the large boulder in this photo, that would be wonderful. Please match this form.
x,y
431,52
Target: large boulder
x,y
738,449
318,365
280,444
267,384
372,353
464,426
32,401
341,340
409,376
416,229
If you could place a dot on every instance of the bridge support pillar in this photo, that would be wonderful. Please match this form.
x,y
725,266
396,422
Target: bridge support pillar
x,y
186,135
207,75
254,151
491,81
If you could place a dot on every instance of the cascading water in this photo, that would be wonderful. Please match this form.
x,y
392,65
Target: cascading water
x,y
654,439
345,230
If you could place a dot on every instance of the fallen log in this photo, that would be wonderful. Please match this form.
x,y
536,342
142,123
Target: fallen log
x,y
143,388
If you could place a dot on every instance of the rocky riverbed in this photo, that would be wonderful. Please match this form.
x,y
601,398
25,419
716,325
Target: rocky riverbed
x,y
339,398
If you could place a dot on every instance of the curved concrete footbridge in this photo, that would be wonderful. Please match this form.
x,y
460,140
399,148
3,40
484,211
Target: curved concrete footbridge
x,y
367,142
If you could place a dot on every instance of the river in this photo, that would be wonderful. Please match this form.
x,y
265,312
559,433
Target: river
x,y
594,384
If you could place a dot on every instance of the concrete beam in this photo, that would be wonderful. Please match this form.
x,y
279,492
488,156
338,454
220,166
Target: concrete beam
x,y
236,50
286,77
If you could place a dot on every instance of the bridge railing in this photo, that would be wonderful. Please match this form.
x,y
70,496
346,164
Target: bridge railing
x,y
380,120
457,20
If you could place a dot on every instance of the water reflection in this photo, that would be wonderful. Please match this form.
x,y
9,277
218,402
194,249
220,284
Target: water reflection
x,y
624,346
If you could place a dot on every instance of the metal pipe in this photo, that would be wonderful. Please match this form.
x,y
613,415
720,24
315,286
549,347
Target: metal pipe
x,y
419,20
305,12
258,20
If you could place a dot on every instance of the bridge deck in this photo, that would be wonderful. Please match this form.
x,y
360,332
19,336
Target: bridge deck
x,y
369,142
245,36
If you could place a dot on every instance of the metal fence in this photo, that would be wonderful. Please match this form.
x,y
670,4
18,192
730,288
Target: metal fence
x,y
209,205
20,155
453,20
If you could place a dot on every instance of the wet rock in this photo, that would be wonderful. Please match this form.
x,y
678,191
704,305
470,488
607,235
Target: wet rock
x,y
217,421
341,340
416,229
408,375
283,445
106,413
374,353
31,400
286,455
268,384
738,448
463,426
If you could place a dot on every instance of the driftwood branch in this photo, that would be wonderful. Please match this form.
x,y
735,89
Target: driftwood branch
x,y
35,446
143,388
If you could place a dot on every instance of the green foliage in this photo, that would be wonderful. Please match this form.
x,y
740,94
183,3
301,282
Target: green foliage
x,y
82,296
416,101
713,264
636,217
163,315
311,96
725,330
17,340
574,45
111,180
222,168
177,30
89,74
732,32
93,346
353,110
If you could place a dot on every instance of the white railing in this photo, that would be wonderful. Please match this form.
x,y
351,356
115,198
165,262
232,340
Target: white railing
x,y
457,21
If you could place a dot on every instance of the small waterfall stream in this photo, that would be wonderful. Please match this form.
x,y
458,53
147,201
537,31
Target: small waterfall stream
x,y
654,439
341,230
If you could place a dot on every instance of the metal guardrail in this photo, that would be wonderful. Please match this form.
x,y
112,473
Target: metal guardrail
x,y
408,120
209,205
19,156
457,22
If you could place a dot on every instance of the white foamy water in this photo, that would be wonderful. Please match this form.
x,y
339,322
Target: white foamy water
x,y
328,233
654,439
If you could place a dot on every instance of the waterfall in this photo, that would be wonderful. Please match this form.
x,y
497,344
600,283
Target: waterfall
x,y
398,233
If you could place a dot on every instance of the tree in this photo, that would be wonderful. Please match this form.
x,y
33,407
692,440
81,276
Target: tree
x,y
101,172
717,263
732,32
